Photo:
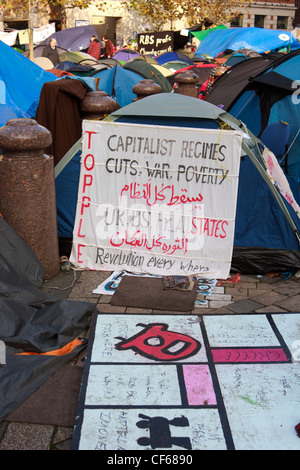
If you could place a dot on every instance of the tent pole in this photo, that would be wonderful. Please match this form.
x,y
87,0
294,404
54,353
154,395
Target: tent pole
x,y
30,32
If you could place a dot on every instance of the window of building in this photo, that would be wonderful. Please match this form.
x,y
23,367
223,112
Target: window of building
x,y
237,22
16,24
259,21
282,22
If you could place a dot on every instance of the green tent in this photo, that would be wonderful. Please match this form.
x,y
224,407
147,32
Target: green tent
x,y
147,70
200,35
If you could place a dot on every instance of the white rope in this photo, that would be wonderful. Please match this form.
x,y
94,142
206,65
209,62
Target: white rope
x,y
289,147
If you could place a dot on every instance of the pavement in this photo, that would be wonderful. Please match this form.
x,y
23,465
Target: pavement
x,y
22,430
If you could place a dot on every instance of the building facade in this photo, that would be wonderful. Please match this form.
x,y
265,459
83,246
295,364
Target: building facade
x,y
270,15
121,26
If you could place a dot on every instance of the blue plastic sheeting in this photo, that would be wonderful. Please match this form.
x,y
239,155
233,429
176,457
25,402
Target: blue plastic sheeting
x,y
10,112
21,82
118,83
74,39
257,39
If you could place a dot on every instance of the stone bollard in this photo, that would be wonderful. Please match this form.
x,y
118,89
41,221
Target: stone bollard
x,y
145,88
186,84
27,189
97,105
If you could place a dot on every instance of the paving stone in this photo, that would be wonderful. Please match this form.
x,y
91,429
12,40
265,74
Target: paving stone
x,y
269,298
238,296
91,300
62,433
248,278
271,280
201,310
88,281
229,287
292,304
289,282
62,439
264,286
239,293
219,303
138,310
245,306
171,312
107,308
219,290
256,292
270,309
61,285
104,299
288,290
219,297
66,445
24,436
222,310
246,285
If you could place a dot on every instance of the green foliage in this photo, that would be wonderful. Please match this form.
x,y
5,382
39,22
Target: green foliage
x,y
22,5
194,11
158,11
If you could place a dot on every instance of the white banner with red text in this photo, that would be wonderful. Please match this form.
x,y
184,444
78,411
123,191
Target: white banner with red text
x,y
156,199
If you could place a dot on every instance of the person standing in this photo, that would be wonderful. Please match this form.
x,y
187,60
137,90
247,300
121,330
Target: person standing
x,y
51,52
109,47
94,48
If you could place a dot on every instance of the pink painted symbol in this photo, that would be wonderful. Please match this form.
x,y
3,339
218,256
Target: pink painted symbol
x,y
198,384
249,355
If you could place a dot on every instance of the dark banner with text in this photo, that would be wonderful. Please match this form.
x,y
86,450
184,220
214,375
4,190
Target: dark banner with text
x,y
155,43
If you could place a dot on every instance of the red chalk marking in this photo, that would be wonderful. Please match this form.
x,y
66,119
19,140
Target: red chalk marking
x,y
199,386
156,342
249,355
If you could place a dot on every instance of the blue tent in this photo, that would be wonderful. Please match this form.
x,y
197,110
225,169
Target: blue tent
x,y
271,96
168,56
267,228
258,39
21,82
118,82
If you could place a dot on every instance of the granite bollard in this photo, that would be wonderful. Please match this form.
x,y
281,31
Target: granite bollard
x,y
27,189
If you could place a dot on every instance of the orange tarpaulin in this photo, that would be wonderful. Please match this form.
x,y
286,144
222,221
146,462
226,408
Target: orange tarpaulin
x,y
56,352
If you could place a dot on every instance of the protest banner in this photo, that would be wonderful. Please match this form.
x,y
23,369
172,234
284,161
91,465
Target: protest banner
x,y
156,199
155,43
